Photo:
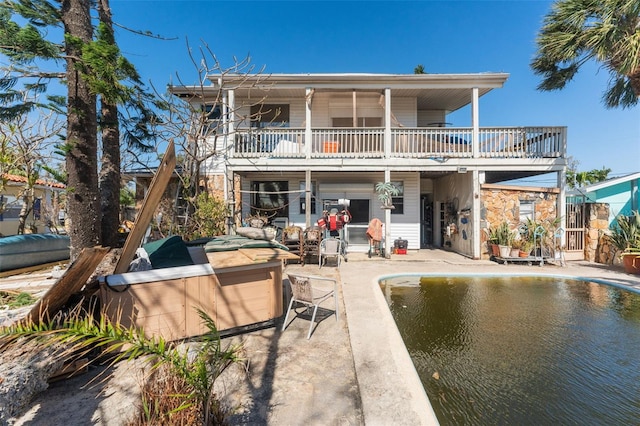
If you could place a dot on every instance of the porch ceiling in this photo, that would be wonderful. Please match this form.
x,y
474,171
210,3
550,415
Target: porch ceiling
x,y
503,176
434,174
447,92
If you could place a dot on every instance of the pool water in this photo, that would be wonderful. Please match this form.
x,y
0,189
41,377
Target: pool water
x,y
521,350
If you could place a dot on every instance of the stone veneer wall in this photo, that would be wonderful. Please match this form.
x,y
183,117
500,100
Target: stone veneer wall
x,y
597,247
215,186
502,203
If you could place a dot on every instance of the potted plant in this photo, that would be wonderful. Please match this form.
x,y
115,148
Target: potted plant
x,y
492,242
625,237
525,248
516,247
505,238
539,234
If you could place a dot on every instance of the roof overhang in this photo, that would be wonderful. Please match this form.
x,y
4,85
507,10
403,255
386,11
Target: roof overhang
x,y
433,91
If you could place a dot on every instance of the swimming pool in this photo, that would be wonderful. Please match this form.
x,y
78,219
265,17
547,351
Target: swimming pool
x,y
521,350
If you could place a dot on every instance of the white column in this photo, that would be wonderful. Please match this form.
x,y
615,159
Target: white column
x,y
561,204
387,222
475,214
230,137
387,125
307,198
307,120
475,119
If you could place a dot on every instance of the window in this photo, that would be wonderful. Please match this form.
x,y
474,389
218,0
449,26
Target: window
x,y
37,209
527,210
398,200
303,197
10,207
270,115
213,115
214,112
270,198
362,122
360,212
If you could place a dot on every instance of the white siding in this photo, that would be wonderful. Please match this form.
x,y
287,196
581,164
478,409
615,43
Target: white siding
x,y
214,165
404,110
320,110
242,111
429,117
327,106
405,226
297,111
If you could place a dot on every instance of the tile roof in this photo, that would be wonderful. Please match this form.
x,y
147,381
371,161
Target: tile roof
x,y
23,179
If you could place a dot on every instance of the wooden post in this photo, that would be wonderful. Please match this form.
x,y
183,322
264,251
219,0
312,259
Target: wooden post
x,y
151,200
70,283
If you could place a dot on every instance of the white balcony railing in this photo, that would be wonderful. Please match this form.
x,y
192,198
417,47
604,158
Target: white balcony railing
x,y
526,142
497,142
430,143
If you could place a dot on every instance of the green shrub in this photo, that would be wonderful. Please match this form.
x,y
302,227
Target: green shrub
x,y
208,219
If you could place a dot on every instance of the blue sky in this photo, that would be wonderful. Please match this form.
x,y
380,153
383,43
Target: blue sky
x,y
390,37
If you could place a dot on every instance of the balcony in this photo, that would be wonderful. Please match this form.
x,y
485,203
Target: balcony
x,y
414,143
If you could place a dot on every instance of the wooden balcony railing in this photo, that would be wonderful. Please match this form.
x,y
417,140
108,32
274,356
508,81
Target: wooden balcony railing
x,y
497,142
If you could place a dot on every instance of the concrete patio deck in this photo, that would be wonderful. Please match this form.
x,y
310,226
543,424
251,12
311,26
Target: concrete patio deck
x,y
358,371
354,371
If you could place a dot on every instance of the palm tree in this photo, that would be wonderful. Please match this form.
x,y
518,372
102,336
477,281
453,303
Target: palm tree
x,y
577,179
577,31
194,368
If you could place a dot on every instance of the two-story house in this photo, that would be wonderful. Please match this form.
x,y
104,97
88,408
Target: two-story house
x,y
293,145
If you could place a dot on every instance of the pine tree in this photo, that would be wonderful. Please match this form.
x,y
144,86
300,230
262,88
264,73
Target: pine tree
x,y
91,64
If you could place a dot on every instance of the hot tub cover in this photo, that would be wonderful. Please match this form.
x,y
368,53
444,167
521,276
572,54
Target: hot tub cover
x,y
236,242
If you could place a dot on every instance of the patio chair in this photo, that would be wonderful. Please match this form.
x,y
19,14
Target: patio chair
x,y
310,291
330,248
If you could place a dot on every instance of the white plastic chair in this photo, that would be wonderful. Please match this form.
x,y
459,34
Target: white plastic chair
x,y
330,248
311,291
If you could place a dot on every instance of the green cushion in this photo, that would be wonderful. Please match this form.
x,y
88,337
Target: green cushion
x,y
168,253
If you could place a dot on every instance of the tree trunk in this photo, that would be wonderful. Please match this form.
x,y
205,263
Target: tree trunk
x,y
110,174
27,204
109,179
83,203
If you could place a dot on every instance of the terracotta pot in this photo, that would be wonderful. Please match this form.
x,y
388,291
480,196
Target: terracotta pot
x,y
495,249
631,263
523,254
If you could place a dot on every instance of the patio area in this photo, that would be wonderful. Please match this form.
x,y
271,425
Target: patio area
x,y
352,372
